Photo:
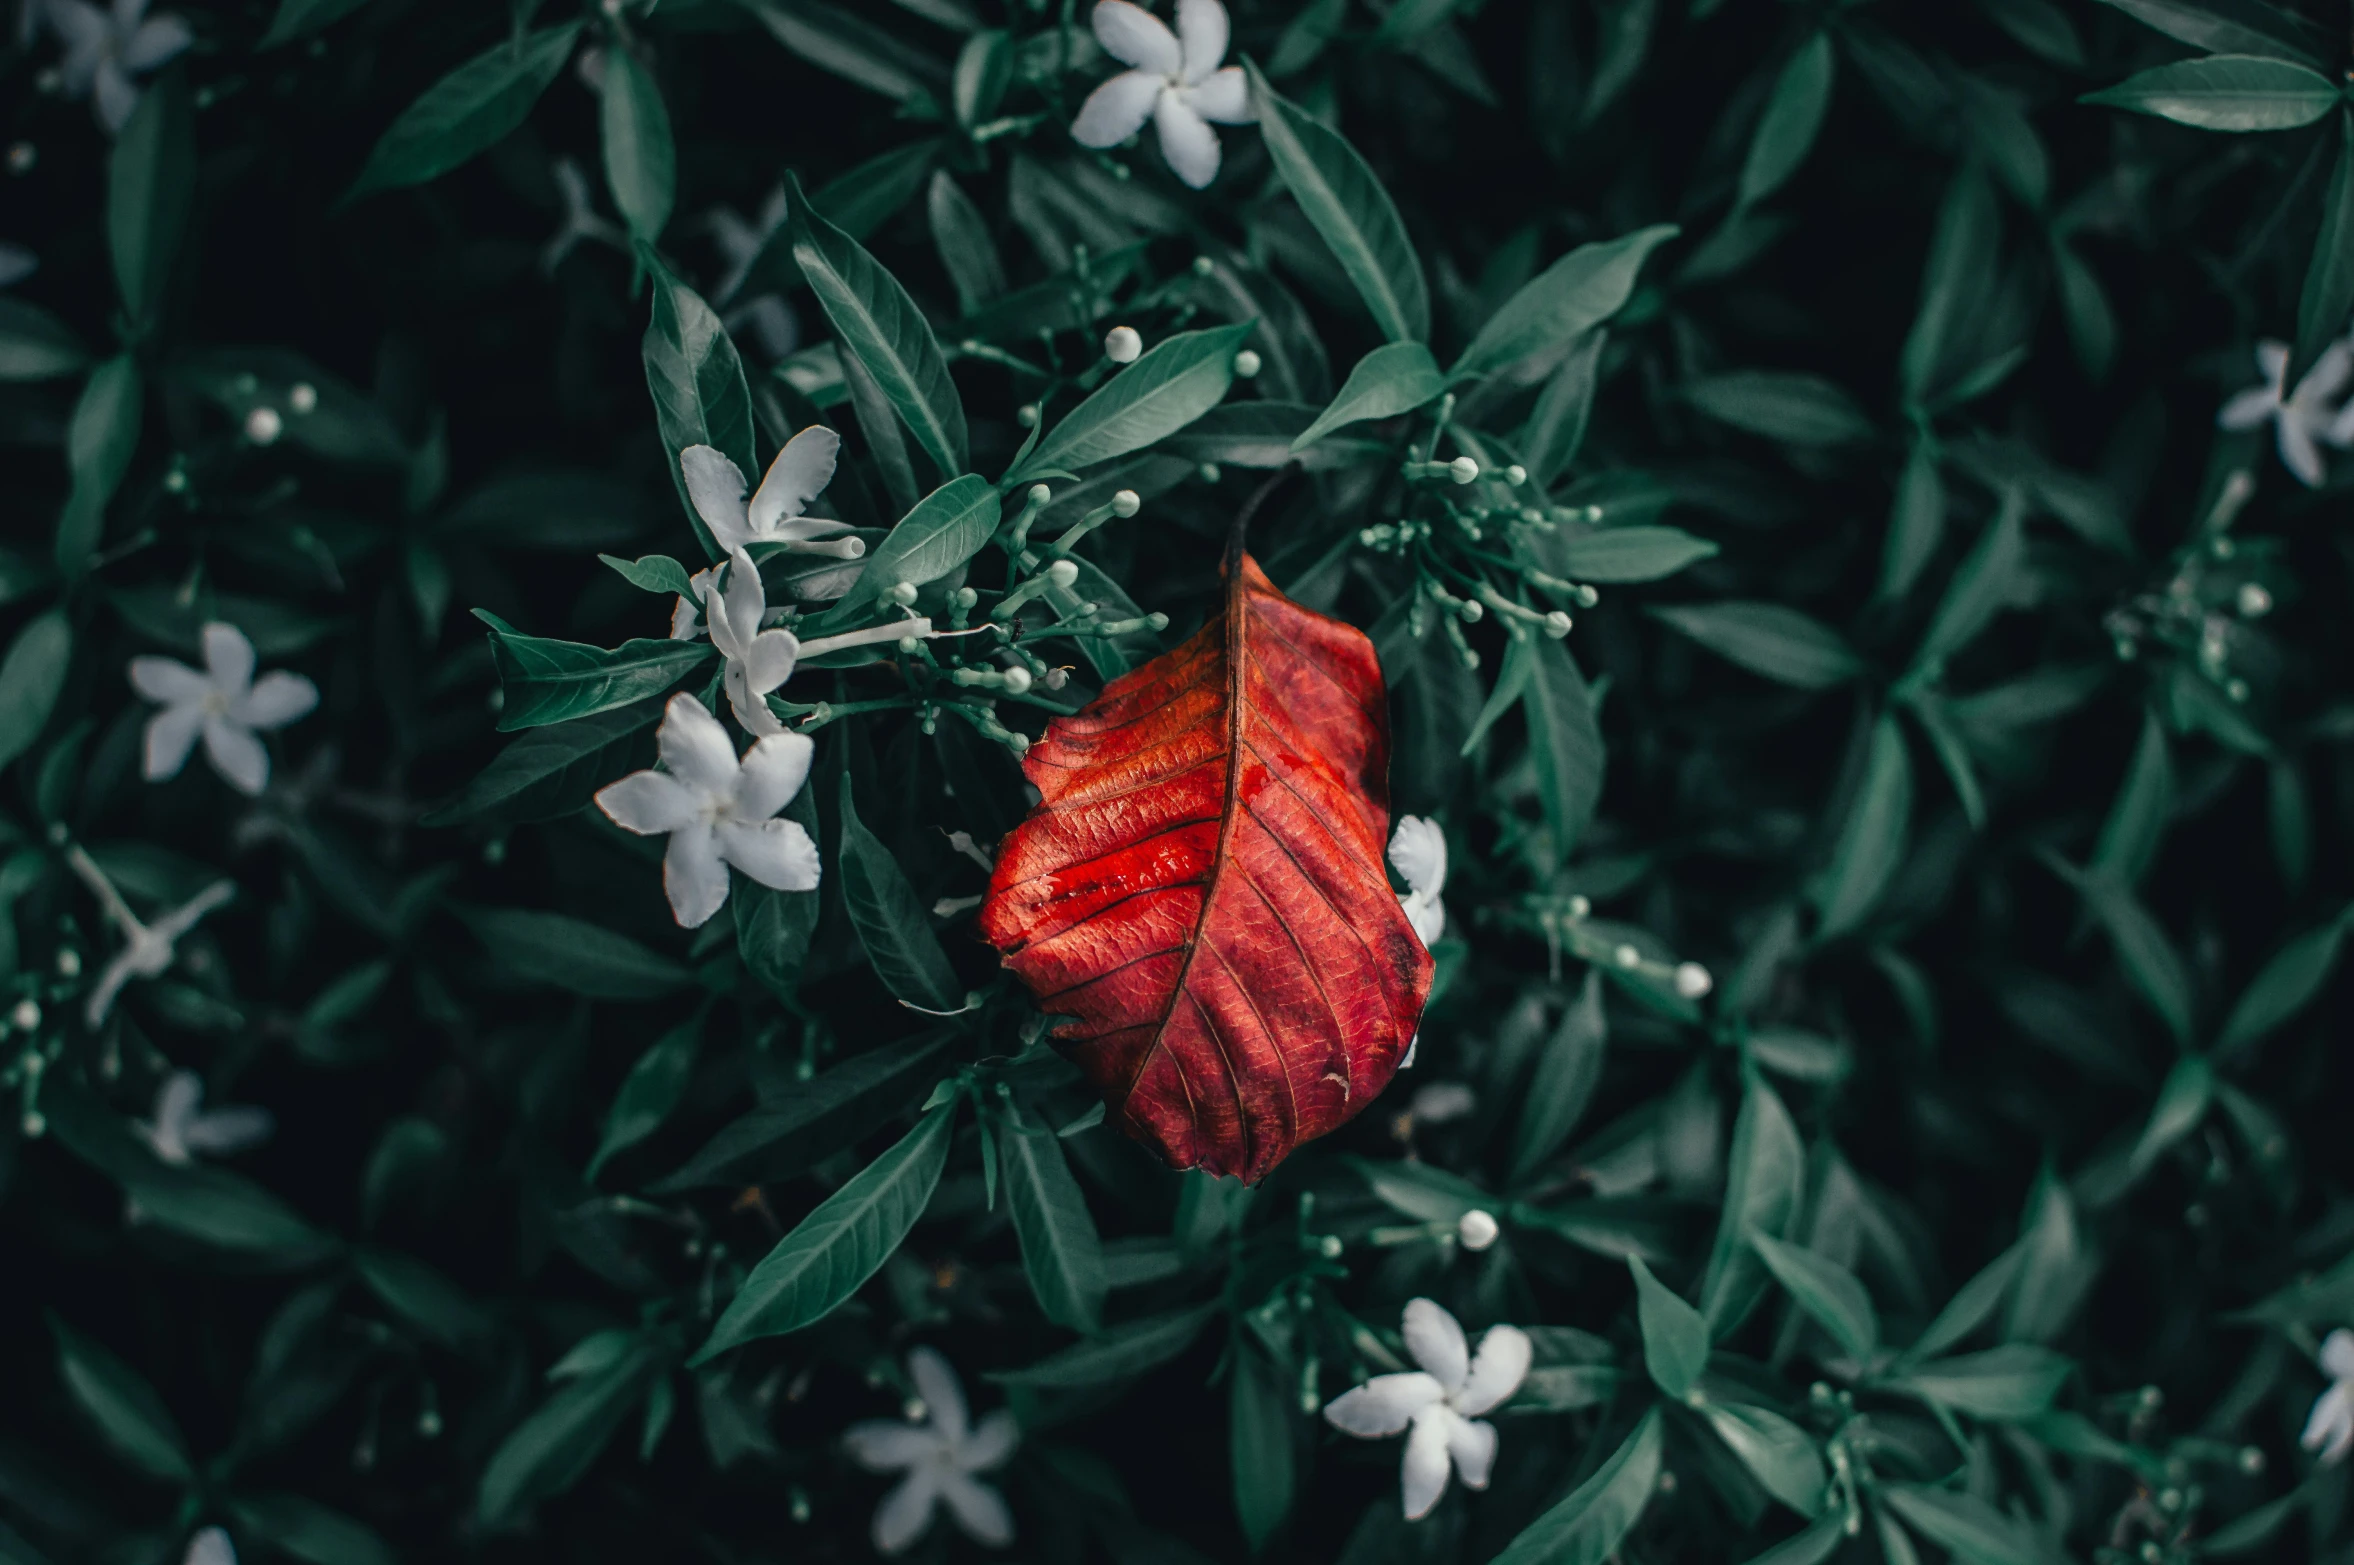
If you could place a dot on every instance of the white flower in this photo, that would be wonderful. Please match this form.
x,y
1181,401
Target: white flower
x,y
739,242
802,469
1176,83
105,49
717,810
2330,1430
581,220
183,1128
147,949
210,1547
16,264
1441,1402
225,703
757,660
1419,849
2306,417
939,1455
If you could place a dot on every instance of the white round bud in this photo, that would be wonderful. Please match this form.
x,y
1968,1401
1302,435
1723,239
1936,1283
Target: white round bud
x,y
1627,957
1027,415
1329,1246
1579,907
1063,572
1040,494
1122,345
1209,472
1246,364
1693,981
1019,744
902,592
1557,624
25,1017
1055,678
1203,266
1157,620
1463,469
1516,475
263,425
2255,601
1127,503
965,598
1476,1229
908,644
302,397
1017,681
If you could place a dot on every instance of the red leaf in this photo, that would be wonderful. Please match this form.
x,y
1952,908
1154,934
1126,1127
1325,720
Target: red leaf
x,y
1200,888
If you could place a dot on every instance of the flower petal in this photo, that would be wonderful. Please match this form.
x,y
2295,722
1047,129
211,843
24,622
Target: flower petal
x,y
1201,34
1428,915
649,802
774,770
1134,36
716,485
1383,1405
1117,109
1225,96
2330,1428
2329,374
883,1445
1422,1476
174,684
1472,1443
2272,362
943,1397
177,1101
979,1509
746,598
228,658
102,997
801,470
171,926
1496,1371
768,661
210,1547
229,1130
276,699
2298,453
112,94
751,710
237,755
906,1512
694,876
171,734
778,854
2248,409
1436,1342
991,1444
2337,1354
1187,142
156,41
1419,849
696,749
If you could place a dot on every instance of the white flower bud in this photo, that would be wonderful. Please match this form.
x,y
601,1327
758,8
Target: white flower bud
x,y
263,425
1628,957
1579,907
1463,469
1017,681
2255,602
1209,472
908,644
1203,266
25,1017
965,598
902,592
1693,981
1055,678
1040,494
1246,364
1063,572
1557,624
1122,345
1516,475
1126,503
1477,1229
302,397
1027,415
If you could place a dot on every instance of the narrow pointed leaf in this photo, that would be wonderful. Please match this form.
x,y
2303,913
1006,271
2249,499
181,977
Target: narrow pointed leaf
x,y
467,111
1588,1526
1675,1337
1395,378
2226,92
1060,1250
1575,294
891,923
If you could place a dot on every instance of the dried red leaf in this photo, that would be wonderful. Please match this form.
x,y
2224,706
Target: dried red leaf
x,y
1201,889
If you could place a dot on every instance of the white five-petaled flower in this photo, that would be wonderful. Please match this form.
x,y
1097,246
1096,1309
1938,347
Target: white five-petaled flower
x,y
739,242
2330,1429
1176,83
148,948
210,1547
758,661
183,1127
773,515
717,810
2303,418
224,703
1419,849
581,219
1440,1403
105,49
939,1455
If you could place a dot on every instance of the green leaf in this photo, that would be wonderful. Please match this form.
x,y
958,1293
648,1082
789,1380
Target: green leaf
x,y
773,928
1588,1526
1625,554
2145,803
892,925
650,1091
961,235
572,954
35,345
1872,839
1121,1353
1395,378
309,1531
1567,1073
1060,1251
2151,963
1511,684
1556,430
2226,92
1345,202
422,1296
150,183
984,68
2231,27
1422,1192
876,320
1769,639
836,1248
1955,284
1972,1305
553,771
99,443
2092,323
1974,1532
1793,117
2183,1100
1980,587
1811,1547
554,1448
546,681
1780,1455
832,1111
835,40
1675,1337
2013,1382
2286,986
947,527
1179,380
467,112
641,163
1259,1443
1565,742
1574,295
297,17
1827,1291
1793,408
121,1406
1765,1180
31,679
2054,1269
697,383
